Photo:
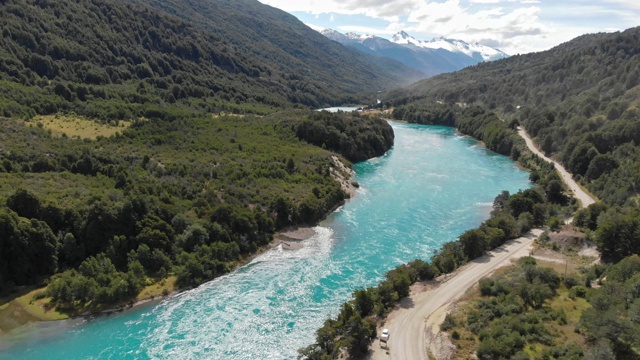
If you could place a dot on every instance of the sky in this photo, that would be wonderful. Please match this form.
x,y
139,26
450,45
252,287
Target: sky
x,y
514,26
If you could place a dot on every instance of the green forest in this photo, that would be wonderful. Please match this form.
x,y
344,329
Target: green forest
x,y
216,147
118,60
189,197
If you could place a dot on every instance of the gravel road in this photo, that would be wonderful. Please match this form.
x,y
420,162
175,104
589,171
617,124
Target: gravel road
x,y
407,325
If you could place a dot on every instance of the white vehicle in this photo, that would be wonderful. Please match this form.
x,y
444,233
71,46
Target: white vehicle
x,y
385,336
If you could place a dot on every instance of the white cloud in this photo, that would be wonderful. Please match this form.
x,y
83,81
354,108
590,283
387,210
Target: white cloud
x,y
516,26
629,4
380,9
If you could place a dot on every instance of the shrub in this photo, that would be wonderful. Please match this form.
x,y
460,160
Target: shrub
x,y
424,270
448,323
486,286
578,291
554,223
570,281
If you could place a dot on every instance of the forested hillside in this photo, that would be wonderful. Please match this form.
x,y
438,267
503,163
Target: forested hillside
x,y
119,162
121,60
579,101
190,197
272,36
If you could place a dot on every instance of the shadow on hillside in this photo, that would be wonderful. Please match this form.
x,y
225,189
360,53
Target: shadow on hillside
x,y
407,303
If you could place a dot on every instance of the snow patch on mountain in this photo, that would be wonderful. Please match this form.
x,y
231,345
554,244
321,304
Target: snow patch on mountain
x,y
317,28
474,50
430,57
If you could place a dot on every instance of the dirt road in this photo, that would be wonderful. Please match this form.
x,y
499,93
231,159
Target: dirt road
x,y
424,310
407,325
578,193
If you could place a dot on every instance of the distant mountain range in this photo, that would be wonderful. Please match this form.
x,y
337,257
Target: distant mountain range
x,y
437,56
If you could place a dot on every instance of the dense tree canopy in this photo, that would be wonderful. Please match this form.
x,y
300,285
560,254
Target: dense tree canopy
x,y
189,196
118,60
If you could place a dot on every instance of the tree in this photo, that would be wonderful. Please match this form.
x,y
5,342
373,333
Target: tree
x,y
359,334
588,217
618,235
601,164
525,222
291,166
97,267
519,203
71,253
43,247
506,223
195,235
581,158
401,280
24,203
424,270
155,262
474,242
534,294
363,302
555,192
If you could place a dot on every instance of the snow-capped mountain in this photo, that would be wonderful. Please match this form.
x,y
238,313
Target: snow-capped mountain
x,y
431,57
474,50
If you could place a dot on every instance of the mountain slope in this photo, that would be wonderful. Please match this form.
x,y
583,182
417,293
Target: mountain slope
x,y
580,100
276,37
182,188
431,57
114,59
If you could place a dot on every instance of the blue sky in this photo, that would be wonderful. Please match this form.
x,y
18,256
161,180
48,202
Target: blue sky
x,y
514,26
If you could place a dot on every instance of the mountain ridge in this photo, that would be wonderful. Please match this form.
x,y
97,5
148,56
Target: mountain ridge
x,y
433,57
474,50
152,54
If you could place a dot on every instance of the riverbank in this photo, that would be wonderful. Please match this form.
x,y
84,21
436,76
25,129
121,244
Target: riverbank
x,y
407,205
415,329
31,306
23,309
290,239
407,324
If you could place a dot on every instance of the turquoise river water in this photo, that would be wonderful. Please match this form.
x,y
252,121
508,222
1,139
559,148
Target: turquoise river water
x,y
428,189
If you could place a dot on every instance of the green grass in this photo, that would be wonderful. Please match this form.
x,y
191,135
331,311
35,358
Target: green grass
x,y
23,308
161,288
79,127
40,309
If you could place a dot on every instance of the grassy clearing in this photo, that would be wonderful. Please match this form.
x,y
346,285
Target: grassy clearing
x,y
161,288
573,309
29,307
79,127
26,308
223,114
40,308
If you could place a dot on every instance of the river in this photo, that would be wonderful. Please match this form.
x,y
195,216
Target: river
x,y
432,186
